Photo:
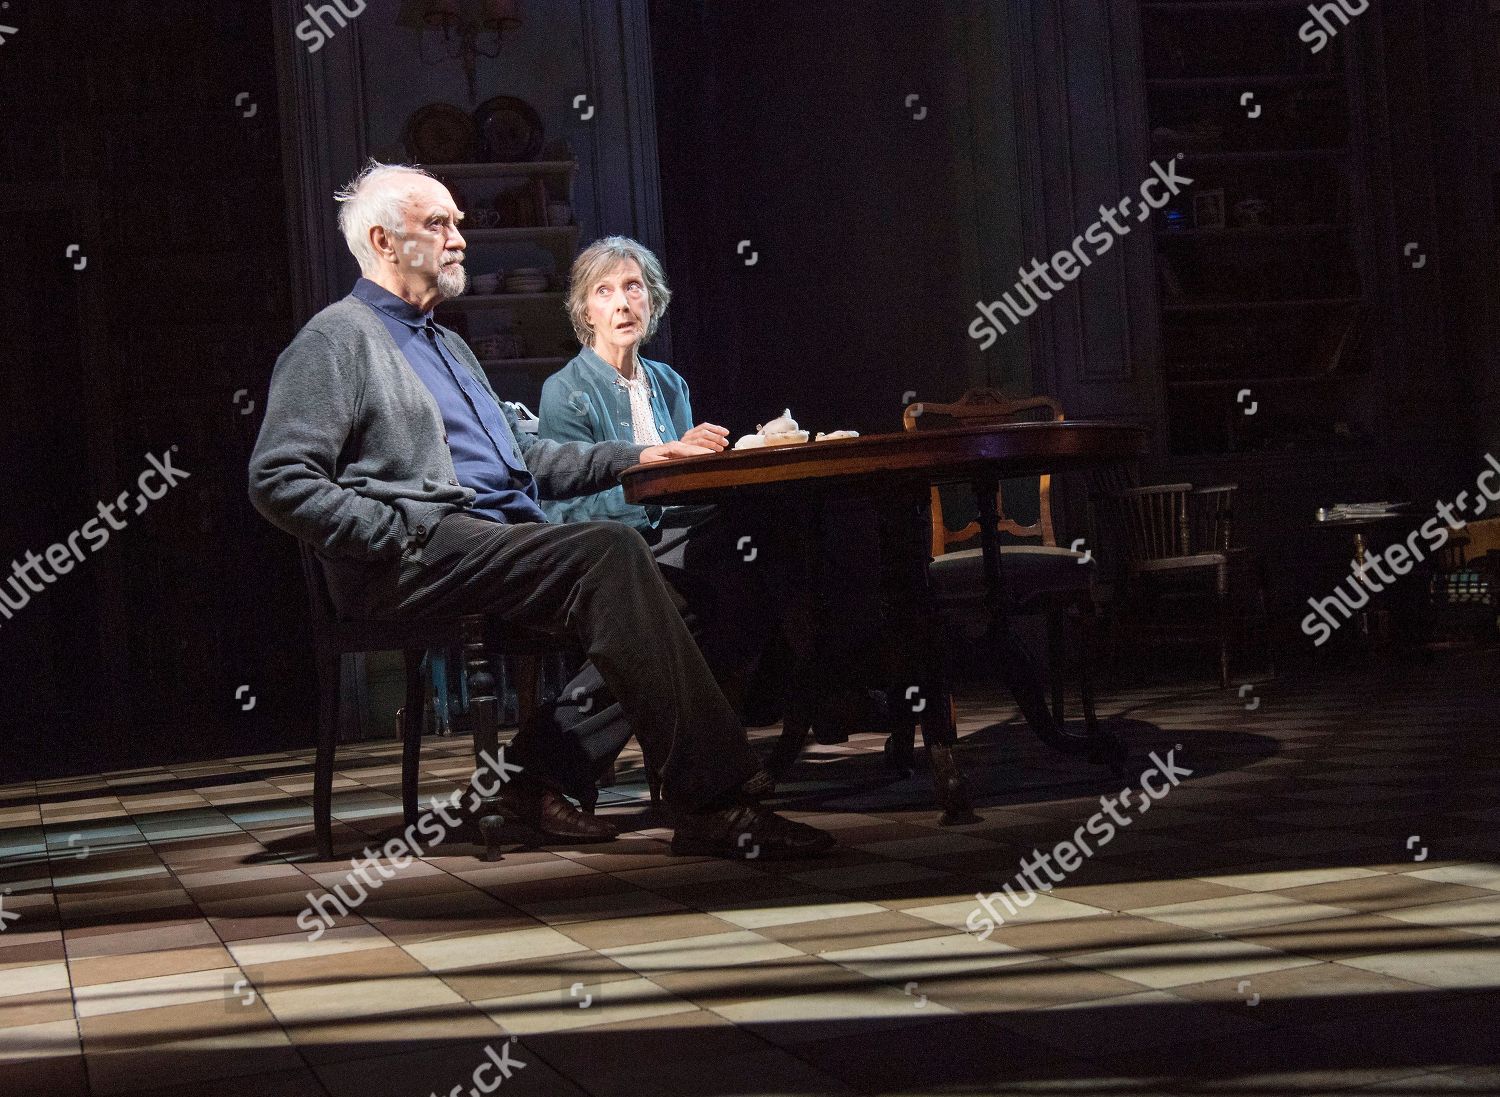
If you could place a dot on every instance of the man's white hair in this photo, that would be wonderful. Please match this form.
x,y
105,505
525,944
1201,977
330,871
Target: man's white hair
x,y
371,199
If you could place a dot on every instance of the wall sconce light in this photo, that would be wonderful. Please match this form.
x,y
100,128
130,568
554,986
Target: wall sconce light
x,y
466,29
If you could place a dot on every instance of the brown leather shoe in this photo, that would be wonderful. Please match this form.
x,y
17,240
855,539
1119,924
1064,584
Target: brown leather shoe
x,y
527,800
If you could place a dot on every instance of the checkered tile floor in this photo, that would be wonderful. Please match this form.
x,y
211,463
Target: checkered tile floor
x,y
1315,909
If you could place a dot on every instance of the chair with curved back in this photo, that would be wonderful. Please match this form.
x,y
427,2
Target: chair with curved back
x,y
1040,577
427,646
1174,537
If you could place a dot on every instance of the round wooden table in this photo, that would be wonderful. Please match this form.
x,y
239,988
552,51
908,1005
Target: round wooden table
x,y
926,457
895,472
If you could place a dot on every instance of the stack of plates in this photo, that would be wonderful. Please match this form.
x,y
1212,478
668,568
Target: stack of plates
x,y
526,280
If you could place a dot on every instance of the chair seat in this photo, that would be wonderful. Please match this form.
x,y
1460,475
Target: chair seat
x,y
1030,572
349,635
373,634
1180,563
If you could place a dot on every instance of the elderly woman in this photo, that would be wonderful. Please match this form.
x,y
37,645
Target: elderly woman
x,y
617,295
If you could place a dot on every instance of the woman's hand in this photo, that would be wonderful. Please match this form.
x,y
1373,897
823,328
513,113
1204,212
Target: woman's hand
x,y
709,435
668,450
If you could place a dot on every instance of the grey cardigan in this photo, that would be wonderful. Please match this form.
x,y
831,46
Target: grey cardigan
x,y
352,456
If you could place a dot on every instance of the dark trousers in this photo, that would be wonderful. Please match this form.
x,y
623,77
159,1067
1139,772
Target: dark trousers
x,y
596,583
729,607
764,591
752,584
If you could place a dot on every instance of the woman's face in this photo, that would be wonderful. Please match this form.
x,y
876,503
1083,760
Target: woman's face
x,y
619,307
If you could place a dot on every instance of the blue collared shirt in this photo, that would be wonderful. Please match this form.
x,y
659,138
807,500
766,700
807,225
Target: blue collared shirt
x,y
483,457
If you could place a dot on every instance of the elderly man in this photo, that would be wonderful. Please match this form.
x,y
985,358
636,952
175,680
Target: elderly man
x,y
385,448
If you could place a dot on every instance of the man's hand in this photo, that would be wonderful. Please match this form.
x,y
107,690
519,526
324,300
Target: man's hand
x,y
707,434
668,450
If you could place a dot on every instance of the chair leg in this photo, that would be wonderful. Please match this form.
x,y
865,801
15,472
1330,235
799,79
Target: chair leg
x,y
487,738
1088,620
1055,665
329,665
1221,591
1130,644
900,752
502,678
528,670
1265,626
484,718
442,720
411,734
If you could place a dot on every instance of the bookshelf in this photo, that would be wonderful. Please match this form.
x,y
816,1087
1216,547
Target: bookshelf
x,y
1260,283
519,338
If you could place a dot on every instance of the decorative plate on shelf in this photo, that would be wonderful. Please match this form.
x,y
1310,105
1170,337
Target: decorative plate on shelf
x,y
441,133
510,128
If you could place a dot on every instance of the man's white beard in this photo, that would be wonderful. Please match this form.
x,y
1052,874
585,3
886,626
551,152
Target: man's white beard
x,y
451,281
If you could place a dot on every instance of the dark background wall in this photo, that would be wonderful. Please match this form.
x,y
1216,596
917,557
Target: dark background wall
x,y
1463,48
788,125
139,155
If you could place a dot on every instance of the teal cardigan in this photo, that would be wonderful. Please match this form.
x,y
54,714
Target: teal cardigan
x,y
582,403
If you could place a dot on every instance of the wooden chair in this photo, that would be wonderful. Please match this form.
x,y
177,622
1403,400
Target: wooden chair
x,y
1175,537
427,646
1040,577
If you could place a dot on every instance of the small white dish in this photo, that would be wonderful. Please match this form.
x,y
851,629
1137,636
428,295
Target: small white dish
x,y
786,438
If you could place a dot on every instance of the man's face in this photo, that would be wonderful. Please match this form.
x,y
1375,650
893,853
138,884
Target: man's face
x,y
431,249
619,306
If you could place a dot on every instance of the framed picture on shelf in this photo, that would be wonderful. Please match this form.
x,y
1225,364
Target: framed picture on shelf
x,y
1208,209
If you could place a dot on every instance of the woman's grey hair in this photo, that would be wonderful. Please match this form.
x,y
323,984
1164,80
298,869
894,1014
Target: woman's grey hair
x,y
597,260
368,200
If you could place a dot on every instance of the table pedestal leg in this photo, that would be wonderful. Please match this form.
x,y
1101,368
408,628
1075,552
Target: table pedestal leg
x,y
927,701
1017,669
798,548
796,723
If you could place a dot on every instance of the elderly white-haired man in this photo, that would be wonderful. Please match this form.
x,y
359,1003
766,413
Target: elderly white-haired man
x,y
385,448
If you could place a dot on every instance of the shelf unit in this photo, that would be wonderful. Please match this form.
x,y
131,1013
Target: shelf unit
x,y
537,319
471,301
1259,262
